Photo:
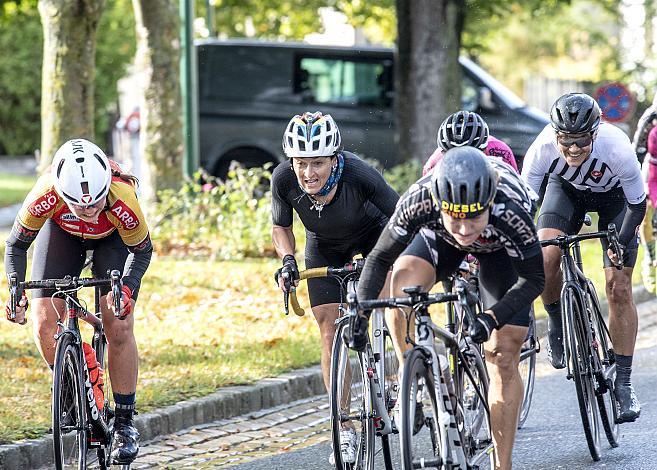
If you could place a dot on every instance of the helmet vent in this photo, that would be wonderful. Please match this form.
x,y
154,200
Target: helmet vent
x,y
79,160
85,187
101,161
316,145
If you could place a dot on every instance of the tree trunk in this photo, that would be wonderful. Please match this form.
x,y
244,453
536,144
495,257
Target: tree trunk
x,y
69,49
427,72
158,65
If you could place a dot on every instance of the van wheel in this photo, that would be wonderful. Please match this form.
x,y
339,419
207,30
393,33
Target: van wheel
x,y
248,157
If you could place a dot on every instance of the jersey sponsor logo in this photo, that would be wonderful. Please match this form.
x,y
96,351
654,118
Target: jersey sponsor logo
x,y
125,215
460,211
69,217
596,174
408,213
517,223
44,204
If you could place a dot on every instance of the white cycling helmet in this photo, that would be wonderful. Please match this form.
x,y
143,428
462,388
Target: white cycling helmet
x,y
311,135
82,172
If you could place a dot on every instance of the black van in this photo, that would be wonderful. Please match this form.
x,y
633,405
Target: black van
x,y
248,91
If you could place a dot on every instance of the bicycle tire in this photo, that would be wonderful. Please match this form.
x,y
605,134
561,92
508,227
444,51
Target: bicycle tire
x,y
417,380
345,361
605,358
68,404
527,370
476,435
580,360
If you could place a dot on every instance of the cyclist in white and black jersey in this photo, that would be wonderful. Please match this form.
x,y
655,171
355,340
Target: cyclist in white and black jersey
x,y
589,167
474,204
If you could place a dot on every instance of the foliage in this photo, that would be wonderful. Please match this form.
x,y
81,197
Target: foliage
x,y
20,71
219,220
14,188
402,176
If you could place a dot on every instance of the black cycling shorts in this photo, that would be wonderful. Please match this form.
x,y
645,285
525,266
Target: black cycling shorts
x,y
57,253
319,253
496,273
564,208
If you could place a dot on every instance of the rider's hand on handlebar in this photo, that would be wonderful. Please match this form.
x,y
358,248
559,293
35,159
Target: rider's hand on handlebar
x,y
614,257
21,309
356,333
126,302
482,328
287,275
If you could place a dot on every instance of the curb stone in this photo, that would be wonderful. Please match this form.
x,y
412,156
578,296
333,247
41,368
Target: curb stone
x,y
225,403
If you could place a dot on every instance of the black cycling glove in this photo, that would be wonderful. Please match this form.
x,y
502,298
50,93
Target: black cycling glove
x,y
290,269
482,328
355,335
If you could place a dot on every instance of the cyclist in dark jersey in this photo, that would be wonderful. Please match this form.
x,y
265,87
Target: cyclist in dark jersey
x,y
343,203
86,203
471,204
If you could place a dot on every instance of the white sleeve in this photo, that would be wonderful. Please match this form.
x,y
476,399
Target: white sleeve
x,y
629,172
534,166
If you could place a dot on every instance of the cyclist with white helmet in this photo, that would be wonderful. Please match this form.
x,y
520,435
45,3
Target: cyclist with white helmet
x,y
86,203
470,204
343,203
582,165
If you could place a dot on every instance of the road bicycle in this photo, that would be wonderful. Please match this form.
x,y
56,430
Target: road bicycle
x,y
78,426
453,430
588,350
364,386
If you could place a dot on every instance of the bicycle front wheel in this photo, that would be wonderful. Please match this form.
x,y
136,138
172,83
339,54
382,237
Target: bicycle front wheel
x,y
351,407
69,423
606,375
579,347
527,370
421,436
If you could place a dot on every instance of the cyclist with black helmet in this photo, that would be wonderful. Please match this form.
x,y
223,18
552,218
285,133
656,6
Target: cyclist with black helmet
x,y
86,203
471,204
589,165
343,203
466,128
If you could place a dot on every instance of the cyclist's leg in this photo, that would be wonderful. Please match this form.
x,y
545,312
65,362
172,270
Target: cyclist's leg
x,y
111,253
648,244
324,294
623,320
56,254
505,393
414,267
562,211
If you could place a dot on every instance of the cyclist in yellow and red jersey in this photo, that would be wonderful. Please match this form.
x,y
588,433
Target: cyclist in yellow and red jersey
x,y
85,202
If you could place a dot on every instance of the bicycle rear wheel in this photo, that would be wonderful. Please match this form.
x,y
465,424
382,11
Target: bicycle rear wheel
x,y
350,404
527,370
421,437
476,433
605,377
69,419
579,349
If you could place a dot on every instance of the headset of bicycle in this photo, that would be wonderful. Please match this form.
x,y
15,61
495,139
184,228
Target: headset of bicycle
x,y
465,128
85,202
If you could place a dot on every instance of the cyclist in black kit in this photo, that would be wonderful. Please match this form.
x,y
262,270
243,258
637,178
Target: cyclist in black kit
x,y
343,203
471,204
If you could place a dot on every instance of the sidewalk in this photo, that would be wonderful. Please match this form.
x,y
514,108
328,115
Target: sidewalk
x,y
227,402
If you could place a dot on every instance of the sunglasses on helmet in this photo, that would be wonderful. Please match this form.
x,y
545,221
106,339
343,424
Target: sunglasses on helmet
x,y
580,140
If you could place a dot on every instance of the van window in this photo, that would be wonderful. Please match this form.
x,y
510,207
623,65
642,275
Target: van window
x,y
469,93
343,82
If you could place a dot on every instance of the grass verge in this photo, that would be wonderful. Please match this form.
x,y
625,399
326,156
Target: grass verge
x,y
14,188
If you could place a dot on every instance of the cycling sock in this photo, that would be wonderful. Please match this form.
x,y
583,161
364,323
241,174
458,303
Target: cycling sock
x,y
554,310
623,370
124,402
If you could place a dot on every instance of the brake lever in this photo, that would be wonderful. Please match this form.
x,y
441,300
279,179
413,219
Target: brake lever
x,y
286,292
612,237
13,294
115,277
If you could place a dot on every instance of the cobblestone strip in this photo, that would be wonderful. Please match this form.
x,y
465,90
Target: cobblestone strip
x,y
238,440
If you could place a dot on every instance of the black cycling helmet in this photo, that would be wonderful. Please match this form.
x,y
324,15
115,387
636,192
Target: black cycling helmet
x,y
463,128
575,113
464,182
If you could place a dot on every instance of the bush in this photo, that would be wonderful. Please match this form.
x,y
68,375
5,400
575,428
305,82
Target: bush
x,y
217,219
402,176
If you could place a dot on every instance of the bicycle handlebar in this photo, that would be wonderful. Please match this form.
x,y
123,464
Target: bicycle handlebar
x,y
290,295
611,234
63,284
